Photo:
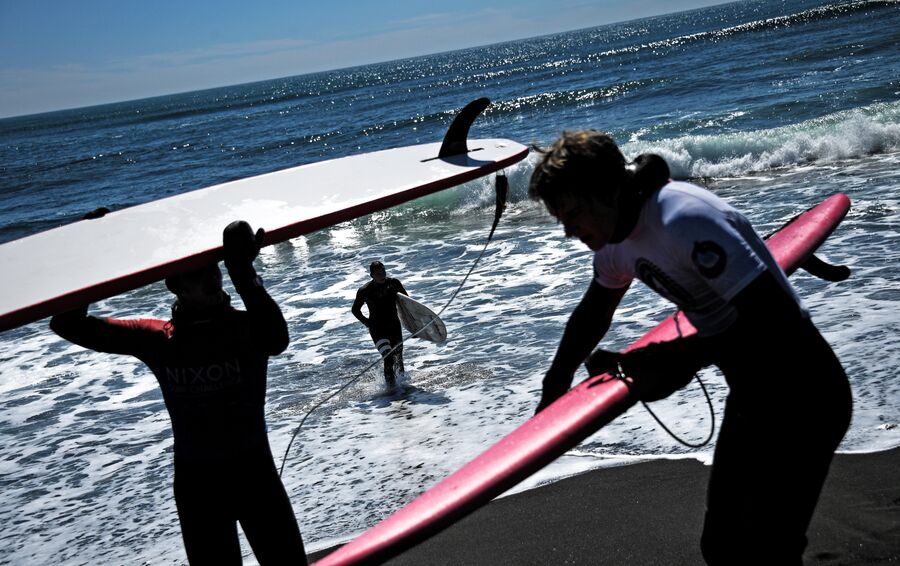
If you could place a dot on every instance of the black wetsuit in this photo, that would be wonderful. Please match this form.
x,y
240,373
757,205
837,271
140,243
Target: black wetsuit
x,y
788,408
211,366
383,322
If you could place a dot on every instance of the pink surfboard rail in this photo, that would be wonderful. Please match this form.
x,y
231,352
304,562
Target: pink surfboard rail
x,y
576,415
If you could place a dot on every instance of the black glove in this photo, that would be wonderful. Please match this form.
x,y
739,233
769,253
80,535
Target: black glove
x,y
555,386
241,246
602,361
658,370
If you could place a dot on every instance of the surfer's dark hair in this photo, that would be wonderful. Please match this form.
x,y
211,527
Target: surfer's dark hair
x,y
175,283
376,265
589,163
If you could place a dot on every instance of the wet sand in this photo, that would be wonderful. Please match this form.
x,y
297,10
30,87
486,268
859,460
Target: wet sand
x,y
652,513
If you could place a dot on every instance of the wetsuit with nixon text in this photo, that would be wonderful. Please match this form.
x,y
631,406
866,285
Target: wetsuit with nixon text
x,y
211,367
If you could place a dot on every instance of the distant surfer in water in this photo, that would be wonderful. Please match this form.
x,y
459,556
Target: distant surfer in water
x,y
380,296
697,251
211,362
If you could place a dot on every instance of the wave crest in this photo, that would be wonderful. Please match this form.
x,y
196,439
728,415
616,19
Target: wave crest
x,y
843,135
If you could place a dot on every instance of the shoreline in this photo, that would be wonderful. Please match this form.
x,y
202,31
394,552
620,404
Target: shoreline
x,y
651,512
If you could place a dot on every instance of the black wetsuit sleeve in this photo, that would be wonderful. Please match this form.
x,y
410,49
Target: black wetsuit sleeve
x,y
767,317
112,336
400,288
588,323
357,307
267,322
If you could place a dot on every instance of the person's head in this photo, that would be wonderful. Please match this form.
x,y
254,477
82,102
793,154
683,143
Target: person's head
x,y
580,180
377,271
198,288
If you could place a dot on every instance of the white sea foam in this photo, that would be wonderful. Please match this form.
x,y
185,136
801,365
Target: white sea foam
x,y
837,137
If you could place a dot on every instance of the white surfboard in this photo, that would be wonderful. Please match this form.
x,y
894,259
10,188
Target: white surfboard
x,y
90,260
420,320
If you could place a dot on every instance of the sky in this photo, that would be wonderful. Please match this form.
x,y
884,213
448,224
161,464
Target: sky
x,y
58,54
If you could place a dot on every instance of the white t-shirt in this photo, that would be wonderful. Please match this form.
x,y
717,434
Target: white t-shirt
x,y
694,249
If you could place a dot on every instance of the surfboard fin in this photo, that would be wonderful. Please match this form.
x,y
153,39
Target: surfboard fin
x,y
824,270
816,266
458,133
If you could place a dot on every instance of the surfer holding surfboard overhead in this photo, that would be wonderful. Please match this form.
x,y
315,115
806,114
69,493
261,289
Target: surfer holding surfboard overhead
x,y
210,361
380,296
697,251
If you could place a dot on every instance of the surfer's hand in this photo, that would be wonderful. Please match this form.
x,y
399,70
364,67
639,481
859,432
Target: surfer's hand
x,y
657,370
601,361
555,386
64,319
240,244
546,401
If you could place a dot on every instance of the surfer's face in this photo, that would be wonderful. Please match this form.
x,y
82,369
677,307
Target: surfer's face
x,y
379,274
587,219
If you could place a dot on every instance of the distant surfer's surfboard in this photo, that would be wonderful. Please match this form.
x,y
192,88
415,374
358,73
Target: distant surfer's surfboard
x,y
576,415
90,260
420,320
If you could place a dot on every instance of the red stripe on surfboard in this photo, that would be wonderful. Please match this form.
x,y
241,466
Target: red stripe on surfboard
x,y
576,415
80,297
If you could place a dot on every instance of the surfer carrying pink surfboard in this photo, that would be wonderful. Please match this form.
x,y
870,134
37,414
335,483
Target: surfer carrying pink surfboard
x,y
210,361
695,250
380,296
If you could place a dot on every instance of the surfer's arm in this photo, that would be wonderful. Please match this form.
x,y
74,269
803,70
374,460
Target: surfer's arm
x,y
270,330
588,324
357,308
111,336
241,246
766,313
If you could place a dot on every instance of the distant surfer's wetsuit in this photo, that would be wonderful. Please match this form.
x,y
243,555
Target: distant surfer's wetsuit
x,y
789,402
211,366
383,322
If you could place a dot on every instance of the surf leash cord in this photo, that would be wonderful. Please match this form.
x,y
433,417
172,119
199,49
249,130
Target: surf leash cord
x,y
501,187
617,372
620,375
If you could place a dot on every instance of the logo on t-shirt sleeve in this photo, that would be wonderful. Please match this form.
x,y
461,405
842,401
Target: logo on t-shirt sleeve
x,y
667,287
710,259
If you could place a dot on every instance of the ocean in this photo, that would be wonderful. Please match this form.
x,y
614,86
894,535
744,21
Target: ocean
x,y
771,105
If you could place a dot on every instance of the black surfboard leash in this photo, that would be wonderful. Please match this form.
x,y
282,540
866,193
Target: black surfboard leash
x,y
501,187
712,411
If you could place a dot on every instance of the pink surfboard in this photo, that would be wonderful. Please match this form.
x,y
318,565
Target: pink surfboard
x,y
576,415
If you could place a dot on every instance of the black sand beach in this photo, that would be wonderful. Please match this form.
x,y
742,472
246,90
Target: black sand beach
x,y
652,513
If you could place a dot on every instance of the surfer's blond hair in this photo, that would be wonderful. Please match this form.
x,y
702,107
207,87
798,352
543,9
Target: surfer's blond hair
x,y
585,163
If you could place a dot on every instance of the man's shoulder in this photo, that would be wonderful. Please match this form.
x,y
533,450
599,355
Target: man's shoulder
x,y
680,203
395,285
